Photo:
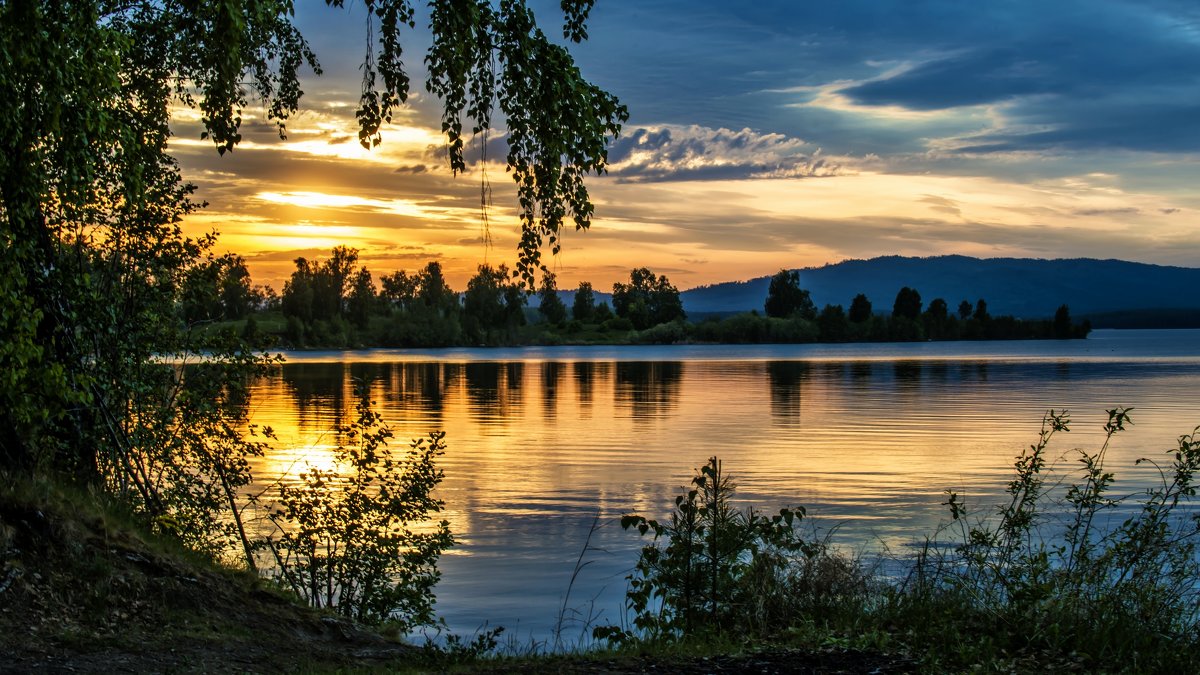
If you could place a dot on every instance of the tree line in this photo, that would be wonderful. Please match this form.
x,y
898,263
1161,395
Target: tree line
x,y
334,302
909,319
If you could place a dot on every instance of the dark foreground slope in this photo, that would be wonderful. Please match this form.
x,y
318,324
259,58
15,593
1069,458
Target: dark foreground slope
x,y
82,591
1023,287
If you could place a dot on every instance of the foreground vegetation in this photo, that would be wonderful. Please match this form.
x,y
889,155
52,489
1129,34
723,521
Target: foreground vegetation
x,y
1063,575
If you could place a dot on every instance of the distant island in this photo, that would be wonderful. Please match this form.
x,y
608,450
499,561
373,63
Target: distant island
x,y
334,303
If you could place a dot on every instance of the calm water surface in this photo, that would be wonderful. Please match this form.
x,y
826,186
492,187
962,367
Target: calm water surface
x,y
867,437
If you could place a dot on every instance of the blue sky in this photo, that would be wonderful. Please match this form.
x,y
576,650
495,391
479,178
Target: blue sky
x,y
772,134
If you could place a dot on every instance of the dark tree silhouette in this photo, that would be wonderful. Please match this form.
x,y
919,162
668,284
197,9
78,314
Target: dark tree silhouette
x,y
492,302
550,306
1062,323
362,298
907,304
981,311
860,309
937,320
647,300
584,306
785,297
832,324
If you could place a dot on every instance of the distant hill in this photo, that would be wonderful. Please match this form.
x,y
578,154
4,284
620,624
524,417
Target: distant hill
x,y
1023,287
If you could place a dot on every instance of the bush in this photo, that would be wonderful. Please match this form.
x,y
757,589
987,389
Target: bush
x,y
710,567
618,325
664,333
1062,576
359,542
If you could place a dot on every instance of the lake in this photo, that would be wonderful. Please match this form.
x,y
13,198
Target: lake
x,y
867,437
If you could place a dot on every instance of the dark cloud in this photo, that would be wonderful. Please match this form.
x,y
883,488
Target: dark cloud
x,y
1074,75
289,255
943,205
973,78
1163,124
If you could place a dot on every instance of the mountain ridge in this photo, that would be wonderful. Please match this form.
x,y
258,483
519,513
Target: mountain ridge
x,y
1030,288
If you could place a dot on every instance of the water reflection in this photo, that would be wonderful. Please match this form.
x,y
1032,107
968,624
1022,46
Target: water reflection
x,y
318,392
535,449
418,389
786,378
648,389
553,373
483,388
907,376
585,374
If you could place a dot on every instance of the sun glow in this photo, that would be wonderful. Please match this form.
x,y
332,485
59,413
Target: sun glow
x,y
399,207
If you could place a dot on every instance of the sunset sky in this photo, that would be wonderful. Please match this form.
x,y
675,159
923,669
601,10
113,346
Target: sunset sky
x,y
764,135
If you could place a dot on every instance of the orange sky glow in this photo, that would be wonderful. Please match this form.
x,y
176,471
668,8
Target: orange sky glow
x,y
763,163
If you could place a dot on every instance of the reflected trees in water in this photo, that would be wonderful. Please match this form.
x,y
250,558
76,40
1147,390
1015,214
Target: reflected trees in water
x,y
494,390
552,373
647,389
786,380
585,374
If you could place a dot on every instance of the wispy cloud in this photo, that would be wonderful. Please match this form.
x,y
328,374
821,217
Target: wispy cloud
x,y
398,207
672,153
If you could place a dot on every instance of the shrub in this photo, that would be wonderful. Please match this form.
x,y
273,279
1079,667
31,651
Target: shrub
x,y
708,566
359,541
664,333
618,325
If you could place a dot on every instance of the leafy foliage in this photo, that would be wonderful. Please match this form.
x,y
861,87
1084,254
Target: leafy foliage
x,y
907,304
550,306
1073,569
860,309
492,304
833,324
357,539
91,198
105,377
584,305
558,124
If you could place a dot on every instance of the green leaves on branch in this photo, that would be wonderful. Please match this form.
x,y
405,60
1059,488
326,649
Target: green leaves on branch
x,y
558,125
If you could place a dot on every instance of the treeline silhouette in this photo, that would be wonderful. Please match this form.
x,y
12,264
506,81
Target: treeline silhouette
x,y
791,316
336,303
